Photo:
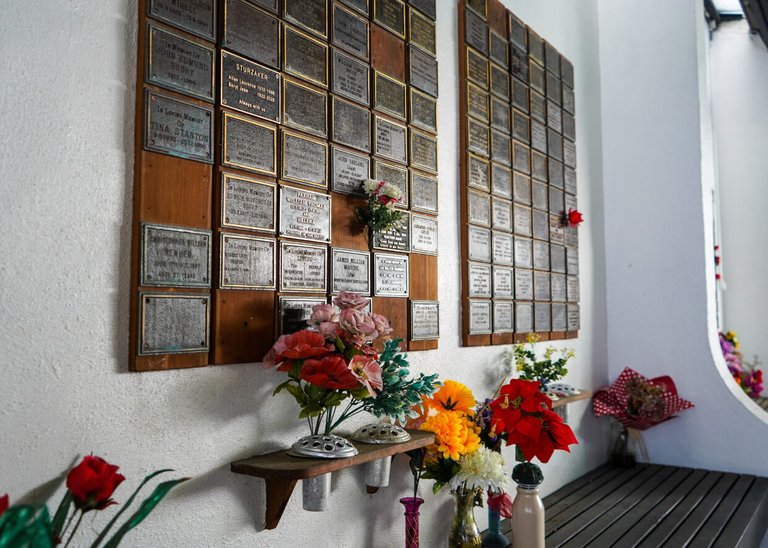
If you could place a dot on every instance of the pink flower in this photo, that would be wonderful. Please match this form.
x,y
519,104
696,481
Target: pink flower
x,y
382,324
368,371
350,299
274,356
329,330
322,313
357,324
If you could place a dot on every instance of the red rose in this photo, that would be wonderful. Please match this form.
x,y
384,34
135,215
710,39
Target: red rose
x,y
4,504
304,344
554,434
575,218
330,372
92,483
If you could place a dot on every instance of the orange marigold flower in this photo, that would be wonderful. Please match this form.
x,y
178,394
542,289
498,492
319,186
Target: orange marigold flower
x,y
452,396
455,434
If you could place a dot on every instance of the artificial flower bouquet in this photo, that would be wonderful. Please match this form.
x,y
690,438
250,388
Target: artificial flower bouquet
x,y
379,213
547,369
747,375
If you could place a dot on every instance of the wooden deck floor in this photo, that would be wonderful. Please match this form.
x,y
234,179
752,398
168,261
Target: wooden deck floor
x,y
652,506
762,402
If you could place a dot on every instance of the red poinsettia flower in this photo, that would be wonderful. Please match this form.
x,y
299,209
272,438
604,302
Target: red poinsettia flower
x,y
92,483
554,434
575,218
516,410
4,504
330,372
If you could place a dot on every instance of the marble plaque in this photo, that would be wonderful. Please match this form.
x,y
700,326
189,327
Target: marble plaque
x,y
501,181
195,16
172,323
477,137
423,193
422,70
308,14
390,275
572,288
246,262
572,260
541,289
569,176
479,244
522,220
305,160
542,320
540,224
499,82
390,14
348,171
523,317
498,49
555,144
538,136
556,200
178,128
503,317
179,64
479,280
424,235
351,125
249,145
540,255
294,313
249,87
569,126
554,117
422,31
500,115
427,7
569,100
479,208
476,32
555,169
538,107
554,88
304,56
305,108
521,127
559,317
521,157
522,188
503,284
557,254
175,257
247,204
500,151
423,151
303,267
540,196
350,78
477,102
518,33
477,68
503,252
501,214
523,253
477,172
569,153
390,140
305,215
425,320
397,238
423,111
394,175
520,96
251,32
572,313
350,32
518,63
556,230
557,282
523,284
480,318
539,169
388,95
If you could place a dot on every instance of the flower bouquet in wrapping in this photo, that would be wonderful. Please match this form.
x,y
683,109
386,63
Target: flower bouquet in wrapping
x,y
379,213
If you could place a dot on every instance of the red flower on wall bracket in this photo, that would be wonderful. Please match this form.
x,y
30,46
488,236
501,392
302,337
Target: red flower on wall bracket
x,y
573,218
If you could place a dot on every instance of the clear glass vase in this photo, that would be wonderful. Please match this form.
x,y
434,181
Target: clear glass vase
x,y
464,531
411,520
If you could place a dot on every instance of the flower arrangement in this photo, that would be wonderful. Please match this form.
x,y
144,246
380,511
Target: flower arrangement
x,y
747,375
379,213
548,369
90,486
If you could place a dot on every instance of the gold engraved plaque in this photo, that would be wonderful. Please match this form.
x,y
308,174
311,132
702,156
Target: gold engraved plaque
x,y
351,125
305,215
500,115
350,32
477,137
171,323
423,151
304,56
499,82
249,145
521,188
518,32
305,108
477,68
476,32
303,267
422,31
422,71
388,95
391,15
477,102
498,49
520,95
500,144
521,157
478,172
247,262
521,127
423,111
305,160
309,14
251,32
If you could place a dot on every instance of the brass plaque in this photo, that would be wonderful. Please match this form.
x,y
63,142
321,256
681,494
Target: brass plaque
x,y
305,108
538,136
249,145
396,238
538,107
522,221
476,32
557,282
478,6
424,236
305,160
251,32
422,31
390,140
521,126
559,317
477,102
569,153
425,320
248,204
388,95
247,262
501,214
500,115
351,125
541,289
572,315
348,171
303,267
555,144
294,313
423,111
390,14
479,244
477,68
520,95
541,258
350,32
518,33
394,175
175,257
555,170
501,181
178,128
572,260
423,193
390,275
503,284
519,67
523,252
523,284
478,172
478,208
503,249
499,82
479,280
359,5
423,151
556,201
572,288
536,47
271,5
171,323
503,317
500,144
308,14
249,88
557,259
350,78
480,317
195,16
540,224
523,317
539,168
427,7
521,157
179,64
542,317
540,196
498,49
554,117
536,78
554,91
350,271
569,175
569,126
304,56
556,230
569,100
477,137
305,215
422,70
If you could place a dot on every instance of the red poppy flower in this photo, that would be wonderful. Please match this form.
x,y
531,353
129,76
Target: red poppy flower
x,y
516,410
4,504
330,372
554,434
92,483
304,344
575,218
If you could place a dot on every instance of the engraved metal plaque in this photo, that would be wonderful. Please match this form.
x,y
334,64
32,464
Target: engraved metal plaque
x,y
523,317
178,128
521,127
478,137
557,282
303,267
569,100
175,257
424,235
503,317
538,107
480,318
536,47
538,136
247,262
559,317
498,49
388,95
555,143
554,88
521,157
500,115
423,111
391,15
572,260
390,275
350,78
523,253
171,323
503,252
309,14
479,280
522,188
569,153
542,320
394,175
499,82
305,108
540,196
423,151
390,140
351,125
520,95
552,58
556,177
249,88
348,171
571,237
422,31
566,70
501,214
350,271
422,70
425,320
479,244
479,208
427,7
572,288
572,314
570,202
540,224
556,230
249,145
251,32
478,6
540,256
518,33
539,166
248,204
294,313
518,63
522,220
396,238
500,144
556,200
569,174
523,284
350,32
477,68
501,181
569,126
179,64
305,160
271,5
554,117
195,16
423,193
304,56
477,102
476,32
359,5
477,172
305,215
503,284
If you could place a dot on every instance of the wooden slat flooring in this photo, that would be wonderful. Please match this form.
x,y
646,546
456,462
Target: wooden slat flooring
x,y
762,402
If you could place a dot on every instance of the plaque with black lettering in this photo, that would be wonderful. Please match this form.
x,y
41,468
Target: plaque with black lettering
x,y
251,32
390,140
555,170
566,71
569,153
521,127
555,144
556,201
423,193
477,172
179,64
388,95
175,257
500,115
178,128
523,252
304,56
350,271
424,236
249,87
503,249
479,280
246,262
422,70
571,237
521,157
557,254
351,125
305,215
554,91
501,214
572,313
498,49
427,7
503,285
523,284
478,208
540,256
569,100
522,188
542,320
359,5
540,225
539,166
570,203
556,230
423,151
538,107
477,68
500,143
518,63
425,320
499,82
572,260
350,78
348,171
390,275
569,126
520,95
538,136
423,111
540,196
523,317
479,244
305,160
390,14
394,175
294,313
572,289
422,31
569,175
395,238
554,117
518,33
522,220
171,323
248,204
195,16
478,6
308,14
350,32
552,59
559,293
559,317
305,108
503,317
249,145
480,318
476,32
303,267
501,181
477,102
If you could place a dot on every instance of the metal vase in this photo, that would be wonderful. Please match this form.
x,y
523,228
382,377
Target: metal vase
x,y
376,472
315,493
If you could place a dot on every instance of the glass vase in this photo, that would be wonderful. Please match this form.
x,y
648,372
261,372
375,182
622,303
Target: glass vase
x,y
493,537
411,520
464,531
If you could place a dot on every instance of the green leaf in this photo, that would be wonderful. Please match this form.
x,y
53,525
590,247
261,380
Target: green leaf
x,y
26,527
280,387
61,514
297,393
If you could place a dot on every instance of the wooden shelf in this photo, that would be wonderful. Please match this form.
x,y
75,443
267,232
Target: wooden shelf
x,y
585,395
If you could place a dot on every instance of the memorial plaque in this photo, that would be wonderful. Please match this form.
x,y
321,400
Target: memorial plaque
x,y
425,320
247,204
179,64
480,318
479,244
501,179
570,203
305,108
503,252
521,157
308,14
478,6
552,59
518,63
423,193
522,188
422,31
522,221
554,117
572,314
351,125
294,313
305,160
572,289
569,100
249,88
423,111
569,174
390,140
271,5
503,284
249,145
477,137
518,33
499,82
246,262
559,293
476,32
569,126
498,49
501,213
388,95
477,172
427,7
556,201
423,151
350,32
559,318
304,56
348,171
175,257
540,196
396,238
536,47
555,169
556,230
390,14
523,253
359,5
195,16
394,175
571,237
555,143
540,256
305,215
523,284
303,267
554,91
540,224
251,32
569,153
390,275
500,115
479,208
477,68
538,136
500,147
477,102
350,271
503,317
539,166
572,260
422,70
566,70
542,321
523,317
538,107
424,235
520,95
350,78
479,280
178,128
521,127
172,323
